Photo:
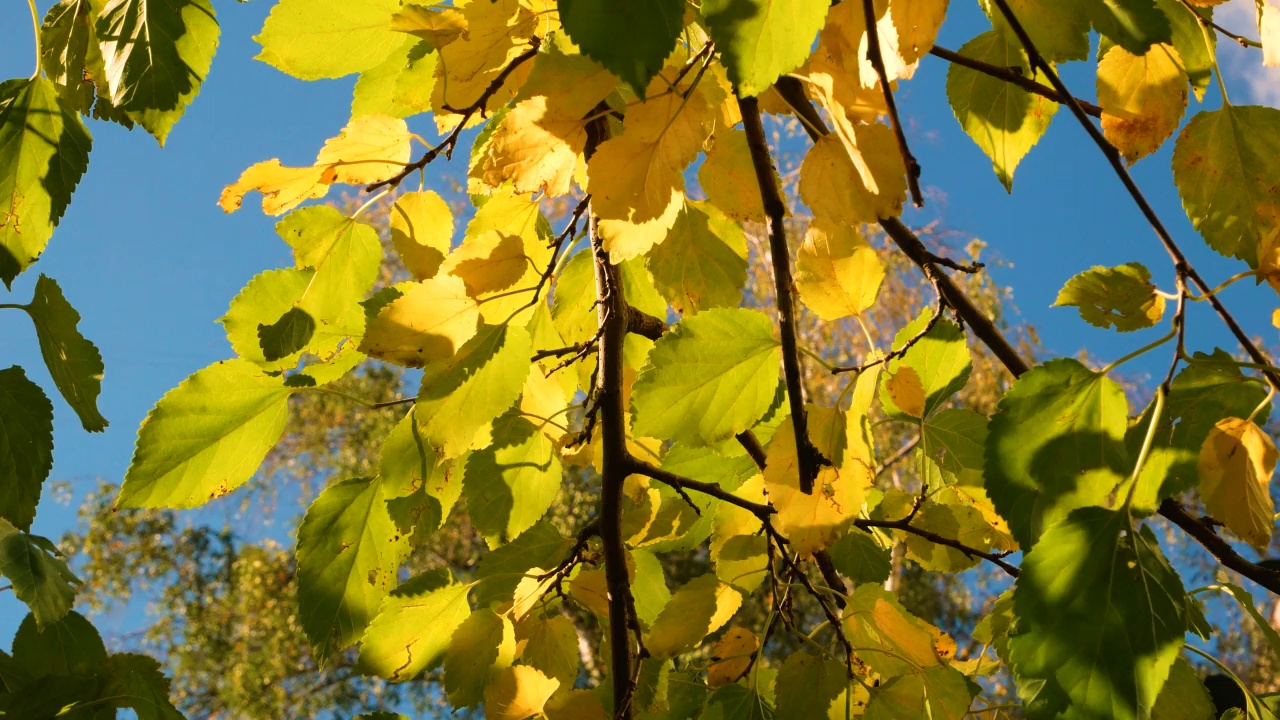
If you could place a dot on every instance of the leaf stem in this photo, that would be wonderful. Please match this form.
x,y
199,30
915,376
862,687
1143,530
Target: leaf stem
x,y
1156,411
1140,351
338,393
1222,286
35,25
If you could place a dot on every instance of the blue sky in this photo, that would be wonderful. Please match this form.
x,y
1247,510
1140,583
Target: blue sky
x,y
151,262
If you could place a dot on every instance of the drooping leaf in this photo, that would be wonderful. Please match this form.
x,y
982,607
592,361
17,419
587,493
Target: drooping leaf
x,y
421,229
412,630
703,262
400,85
895,641
39,575
65,37
1100,615
732,656
854,183
497,34
1055,444
1122,297
728,178
73,361
711,377
156,54
267,297
759,40
1060,31
813,521
314,39
631,38
431,322
460,396
44,149
26,445
283,188
483,643
137,682
1183,697
1003,119
500,569
510,484
1226,164
206,437
345,255
838,273
1143,98
1236,463
370,148
550,645
348,553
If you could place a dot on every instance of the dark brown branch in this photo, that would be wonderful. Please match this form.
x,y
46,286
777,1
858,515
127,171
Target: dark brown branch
x,y
643,324
1202,530
877,61
561,352
808,457
751,444
906,526
450,142
612,318
666,477
896,457
1012,76
1208,22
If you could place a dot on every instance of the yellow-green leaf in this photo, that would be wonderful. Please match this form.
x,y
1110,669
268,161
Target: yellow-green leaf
x,y
1143,98
1122,296
838,273
1236,464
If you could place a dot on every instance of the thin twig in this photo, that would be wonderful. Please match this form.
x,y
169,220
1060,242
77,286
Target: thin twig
x,y
905,526
897,456
1010,75
1208,22
932,274
877,61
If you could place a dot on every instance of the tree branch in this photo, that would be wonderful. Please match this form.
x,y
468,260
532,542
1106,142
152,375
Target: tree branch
x,y
877,61
1203,532
808,457
1012,76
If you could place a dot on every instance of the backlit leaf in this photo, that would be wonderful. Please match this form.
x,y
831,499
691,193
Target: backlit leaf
x,y
853,189
400,85
421,229
703,262
483,643
369,148
939,360
1060,31
412,630
712,376
283,188
500,569
1143,98
206,437
935,692
1236,465
551,646
838,273
497,33
812,521
26,445
896,642
429,323
1135,25
511,483
759,40
631,38
732,656
686,619
727,176
1122,296
314,39
807,684
517,692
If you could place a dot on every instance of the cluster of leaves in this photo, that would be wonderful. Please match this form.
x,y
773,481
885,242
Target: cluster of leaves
x,y
129,62
620,346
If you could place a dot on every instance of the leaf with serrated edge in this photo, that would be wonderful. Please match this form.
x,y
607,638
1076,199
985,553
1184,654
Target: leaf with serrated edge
x,y
431,322
412,631
40,578
483,643
26,455
315,39
1236,463
1122,296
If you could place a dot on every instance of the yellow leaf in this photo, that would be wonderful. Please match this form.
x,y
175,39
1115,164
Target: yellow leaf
x,y
519,691
728,600
906,390
1269,259
576,705
283,188
1269,28
545,402
421,229
437,25
815,521
732,521
530,590
840,77
832,186
636,179
916,24
731,656
1275,317
686,619
875,620
591,589
370,148
1142,98
728,177
1235,467
429,322
487,261
837,273
498,31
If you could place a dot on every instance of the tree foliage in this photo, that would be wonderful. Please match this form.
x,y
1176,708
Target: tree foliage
x,y
617,375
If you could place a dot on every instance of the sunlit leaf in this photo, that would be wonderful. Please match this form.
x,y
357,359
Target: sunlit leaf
x,y
314,39
1122,297
1143,98
1236,463
412,630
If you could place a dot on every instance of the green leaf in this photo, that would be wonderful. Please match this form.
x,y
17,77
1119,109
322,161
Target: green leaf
x,y
936,692
1226,164
412,630
894,641
39,575
807,684
736,702
1002,118
1100,615
1055,444
137,682
345,255
940,360
461,396
65,36
206,437
268,296
1122,297
1059,30
858,557
1134,25
1184,696
499,571
649,586
1209,388
156,54
400,85
712,376
44,149
315,39
550,646
630,38
703,262
71,646
1245,599
73,361
26,445
953,441
686,618
1195,47
760,40
483,642
573,302
511,484
348,553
